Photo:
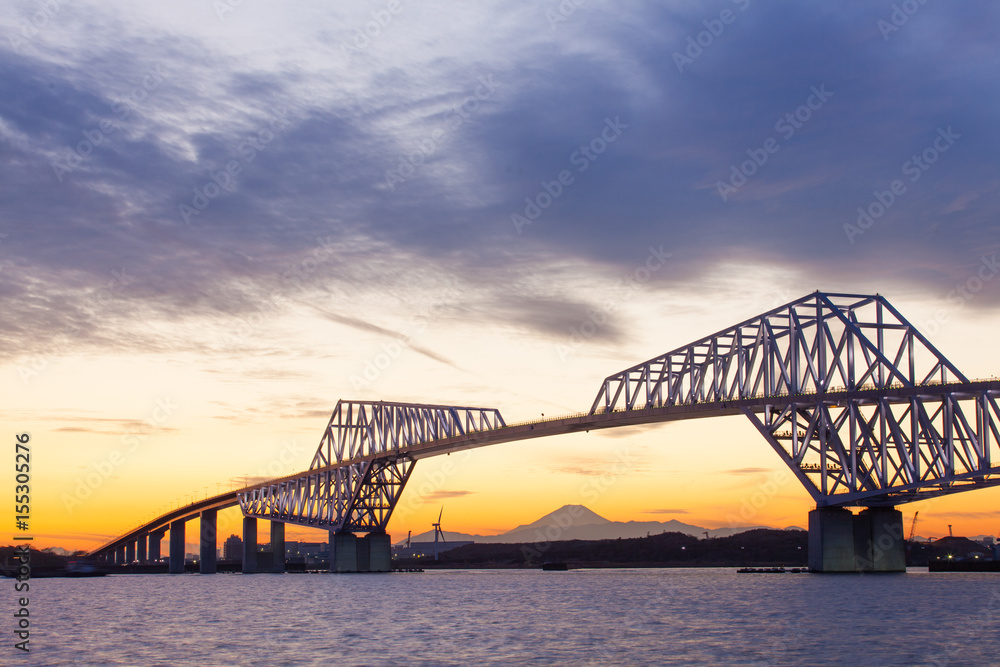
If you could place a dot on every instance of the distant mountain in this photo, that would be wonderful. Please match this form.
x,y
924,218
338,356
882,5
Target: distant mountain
x,y
576,522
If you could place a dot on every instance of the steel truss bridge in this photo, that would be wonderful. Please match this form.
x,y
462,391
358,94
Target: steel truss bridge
x,y
859,404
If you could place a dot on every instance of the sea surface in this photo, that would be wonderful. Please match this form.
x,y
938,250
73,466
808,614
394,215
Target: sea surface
x,y
511,617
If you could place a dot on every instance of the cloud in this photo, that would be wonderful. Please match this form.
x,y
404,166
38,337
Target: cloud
x,y
628,431
595,467
667,511
970,515
103,426
327,131
402,338
445,495
747,471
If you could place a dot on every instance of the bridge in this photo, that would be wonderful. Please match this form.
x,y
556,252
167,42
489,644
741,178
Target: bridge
x,y
859,405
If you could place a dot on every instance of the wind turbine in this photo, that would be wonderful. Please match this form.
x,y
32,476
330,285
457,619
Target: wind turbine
x,y
438,531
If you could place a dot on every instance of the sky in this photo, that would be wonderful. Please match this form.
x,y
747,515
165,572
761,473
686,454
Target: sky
x,y
218,217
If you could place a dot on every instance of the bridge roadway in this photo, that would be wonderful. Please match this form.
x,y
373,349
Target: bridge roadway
x,y
540,429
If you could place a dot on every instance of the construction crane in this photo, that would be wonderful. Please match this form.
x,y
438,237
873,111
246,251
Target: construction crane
x,y
913,526
408,533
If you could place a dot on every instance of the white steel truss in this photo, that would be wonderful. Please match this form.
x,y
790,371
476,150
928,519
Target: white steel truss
x,y
359,429
865,410
886,450
816,344
358,471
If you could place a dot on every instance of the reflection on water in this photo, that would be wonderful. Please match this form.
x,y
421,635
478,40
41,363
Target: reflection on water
x,y
596,617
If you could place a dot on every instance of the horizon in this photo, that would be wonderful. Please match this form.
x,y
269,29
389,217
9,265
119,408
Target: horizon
x,y
192,547
218,223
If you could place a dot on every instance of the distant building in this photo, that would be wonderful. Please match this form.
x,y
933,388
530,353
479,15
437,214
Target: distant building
x,y
425,549
233,549
306,552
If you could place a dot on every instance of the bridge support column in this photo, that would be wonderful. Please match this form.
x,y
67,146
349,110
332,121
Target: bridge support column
x,y
129,553
831,540
343,552
878,540
379,552
177,547
277,546
140,552
154,545
363,553
120,555
207,557
249,545
872,541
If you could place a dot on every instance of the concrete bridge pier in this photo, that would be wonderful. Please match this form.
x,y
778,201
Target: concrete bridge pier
x,y
207,561
177,547
371,553
277,546
343,552
364,553
129,553
249,545
379,552
120,555
140,554
871,541
154,545
878,539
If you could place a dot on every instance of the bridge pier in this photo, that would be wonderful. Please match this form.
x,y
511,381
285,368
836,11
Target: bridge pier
x,y
871,541
154,545
141,549
129,552
371,553
249,545
343,552
120,555
878,539
363,545
277,546
379,552
177,547
207,561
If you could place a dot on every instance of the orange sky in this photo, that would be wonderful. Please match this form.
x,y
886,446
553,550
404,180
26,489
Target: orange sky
x,y
183,428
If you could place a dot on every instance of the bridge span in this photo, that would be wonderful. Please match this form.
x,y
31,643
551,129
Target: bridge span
x,y
861,407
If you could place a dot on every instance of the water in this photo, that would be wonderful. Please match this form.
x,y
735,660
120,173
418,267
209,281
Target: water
x,y
585,617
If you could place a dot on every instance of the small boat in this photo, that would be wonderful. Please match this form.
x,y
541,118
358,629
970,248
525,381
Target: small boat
x,y
555,567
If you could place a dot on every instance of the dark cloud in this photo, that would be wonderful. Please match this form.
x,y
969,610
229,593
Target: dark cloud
x,y
326,146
